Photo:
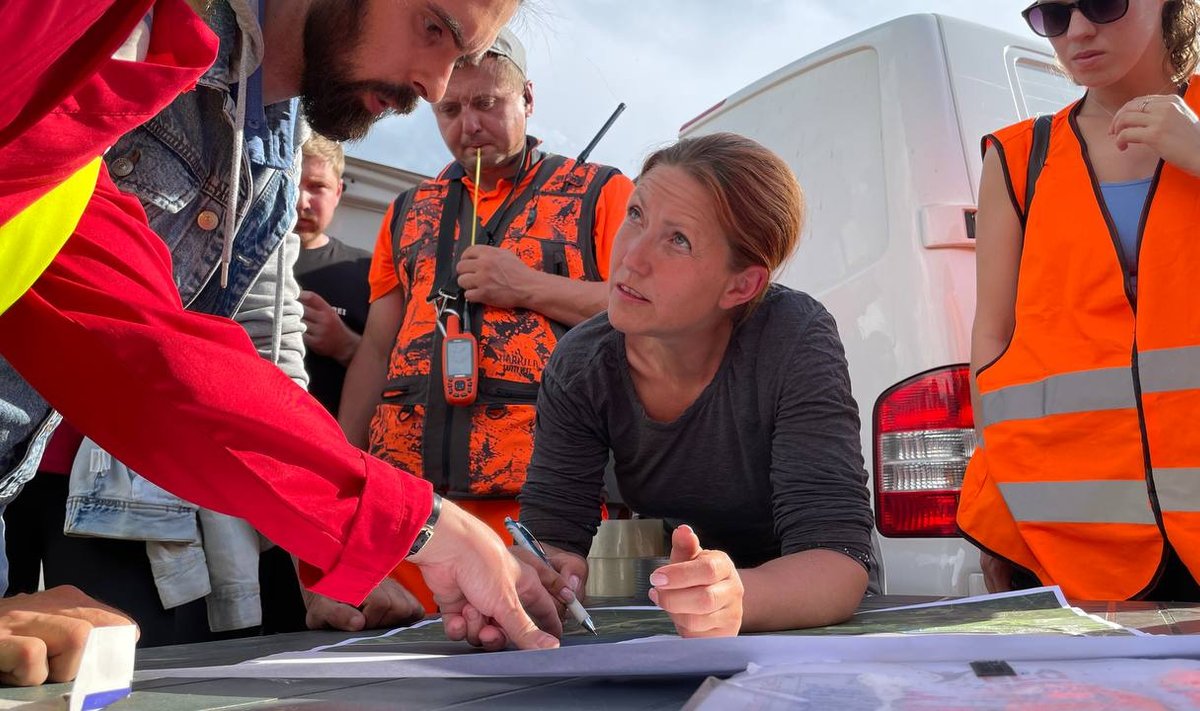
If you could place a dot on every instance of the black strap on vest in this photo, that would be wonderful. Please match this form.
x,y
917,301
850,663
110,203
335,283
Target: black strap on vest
x,y
1037,156
445,282
587,221
439,416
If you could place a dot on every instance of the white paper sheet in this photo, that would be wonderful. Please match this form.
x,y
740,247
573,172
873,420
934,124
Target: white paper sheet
x,y
384,635
105,668
700,656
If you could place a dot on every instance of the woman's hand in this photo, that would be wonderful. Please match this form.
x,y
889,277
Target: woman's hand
x,y
700,589
1163,123
565,578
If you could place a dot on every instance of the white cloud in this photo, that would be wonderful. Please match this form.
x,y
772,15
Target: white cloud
x,y
668,60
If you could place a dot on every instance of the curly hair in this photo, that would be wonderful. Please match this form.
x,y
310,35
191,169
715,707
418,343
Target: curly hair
x,y
1180,22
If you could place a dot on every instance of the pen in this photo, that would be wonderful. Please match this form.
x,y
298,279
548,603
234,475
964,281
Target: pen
x,y
523,538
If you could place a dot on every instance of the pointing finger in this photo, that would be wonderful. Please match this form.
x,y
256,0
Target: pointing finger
x,y
518,624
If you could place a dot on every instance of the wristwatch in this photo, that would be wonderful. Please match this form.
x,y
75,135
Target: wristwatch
x,y
426,531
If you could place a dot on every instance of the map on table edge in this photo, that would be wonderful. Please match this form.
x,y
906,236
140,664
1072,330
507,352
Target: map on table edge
x,y
1038,611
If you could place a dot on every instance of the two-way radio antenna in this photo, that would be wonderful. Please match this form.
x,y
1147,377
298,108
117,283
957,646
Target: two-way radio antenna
x,y
603,130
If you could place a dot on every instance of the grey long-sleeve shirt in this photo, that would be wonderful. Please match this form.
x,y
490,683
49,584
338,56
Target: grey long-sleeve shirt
x,y
766,462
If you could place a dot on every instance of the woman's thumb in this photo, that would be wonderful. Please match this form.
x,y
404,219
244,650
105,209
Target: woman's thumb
x,y
685,544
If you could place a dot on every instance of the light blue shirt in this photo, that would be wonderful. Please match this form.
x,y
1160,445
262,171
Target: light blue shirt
x,y
1125,202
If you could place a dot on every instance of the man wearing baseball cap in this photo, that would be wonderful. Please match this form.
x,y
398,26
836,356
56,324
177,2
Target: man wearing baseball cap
x,y
509,242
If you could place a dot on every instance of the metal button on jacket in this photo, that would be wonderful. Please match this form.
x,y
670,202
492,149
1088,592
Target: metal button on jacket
x,y
207,220
121,167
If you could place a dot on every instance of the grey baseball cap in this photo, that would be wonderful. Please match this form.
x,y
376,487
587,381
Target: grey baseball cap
x,y
508,46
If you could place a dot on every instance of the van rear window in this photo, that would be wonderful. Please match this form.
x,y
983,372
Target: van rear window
x,y
1042,86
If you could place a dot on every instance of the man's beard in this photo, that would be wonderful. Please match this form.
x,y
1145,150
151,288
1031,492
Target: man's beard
x,y
332,101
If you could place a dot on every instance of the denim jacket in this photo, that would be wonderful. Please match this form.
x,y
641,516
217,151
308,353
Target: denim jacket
x,y
179,164
193,552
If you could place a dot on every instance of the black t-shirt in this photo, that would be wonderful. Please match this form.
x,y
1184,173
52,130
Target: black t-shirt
x,y
767,461
338,273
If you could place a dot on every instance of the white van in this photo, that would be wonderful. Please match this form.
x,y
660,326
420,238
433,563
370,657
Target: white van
x,y
883,131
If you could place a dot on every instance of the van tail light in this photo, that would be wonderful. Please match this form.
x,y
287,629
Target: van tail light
x,y
924,435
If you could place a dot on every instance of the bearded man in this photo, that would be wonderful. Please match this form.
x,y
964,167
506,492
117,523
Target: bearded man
x,y
216,173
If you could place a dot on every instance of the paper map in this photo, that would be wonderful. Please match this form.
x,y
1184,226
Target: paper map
x,y
1031,625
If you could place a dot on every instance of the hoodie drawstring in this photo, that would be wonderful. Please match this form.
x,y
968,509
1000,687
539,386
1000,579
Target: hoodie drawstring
x,y
235,172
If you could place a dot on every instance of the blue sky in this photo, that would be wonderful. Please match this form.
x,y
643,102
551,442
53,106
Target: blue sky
x,y
668,60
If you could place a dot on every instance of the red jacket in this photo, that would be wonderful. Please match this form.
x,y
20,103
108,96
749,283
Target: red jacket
x,y
181,397
54,53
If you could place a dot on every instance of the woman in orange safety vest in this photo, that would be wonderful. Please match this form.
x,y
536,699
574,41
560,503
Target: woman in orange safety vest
x,y
1086,346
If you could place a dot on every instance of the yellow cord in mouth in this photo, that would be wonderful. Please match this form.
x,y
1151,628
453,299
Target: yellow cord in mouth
x,y
475,199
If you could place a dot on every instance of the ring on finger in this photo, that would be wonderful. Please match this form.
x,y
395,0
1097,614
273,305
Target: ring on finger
x,y
1145,103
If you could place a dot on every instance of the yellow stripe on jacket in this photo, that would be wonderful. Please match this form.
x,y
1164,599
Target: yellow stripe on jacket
x,y
33,237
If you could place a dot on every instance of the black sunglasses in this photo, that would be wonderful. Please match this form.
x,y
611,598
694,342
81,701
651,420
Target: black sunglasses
x,y
1051,19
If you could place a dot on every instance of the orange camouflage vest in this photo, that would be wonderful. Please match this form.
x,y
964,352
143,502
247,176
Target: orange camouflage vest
x,y
481,450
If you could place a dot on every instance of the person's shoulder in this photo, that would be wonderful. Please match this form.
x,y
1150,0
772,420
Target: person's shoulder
x,y
222,19
608,173
1013,131
618,184
584,349
784,306
587,338
346,252
428,188
1017,138
436,182
792,340
784,318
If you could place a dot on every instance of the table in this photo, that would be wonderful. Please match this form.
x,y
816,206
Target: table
x,y
491,693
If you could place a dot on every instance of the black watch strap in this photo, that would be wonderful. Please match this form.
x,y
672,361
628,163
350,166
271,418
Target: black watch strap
x,y
426,531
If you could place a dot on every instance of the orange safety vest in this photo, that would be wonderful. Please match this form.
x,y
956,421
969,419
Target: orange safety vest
x,y
1090,460
481,450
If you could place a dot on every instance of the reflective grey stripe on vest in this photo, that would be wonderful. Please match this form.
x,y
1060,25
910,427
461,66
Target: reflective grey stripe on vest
x,y
1079,502
1162,370
1178,489
1083,391
1169,369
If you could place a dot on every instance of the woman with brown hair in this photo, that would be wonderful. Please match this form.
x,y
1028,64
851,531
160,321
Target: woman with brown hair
x,y
723,399
1086,346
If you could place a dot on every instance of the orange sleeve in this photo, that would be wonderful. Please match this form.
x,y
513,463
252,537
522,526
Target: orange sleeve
x,y
382,276
610,213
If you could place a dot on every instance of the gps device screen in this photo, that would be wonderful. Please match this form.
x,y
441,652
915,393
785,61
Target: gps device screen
x,y
459,359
